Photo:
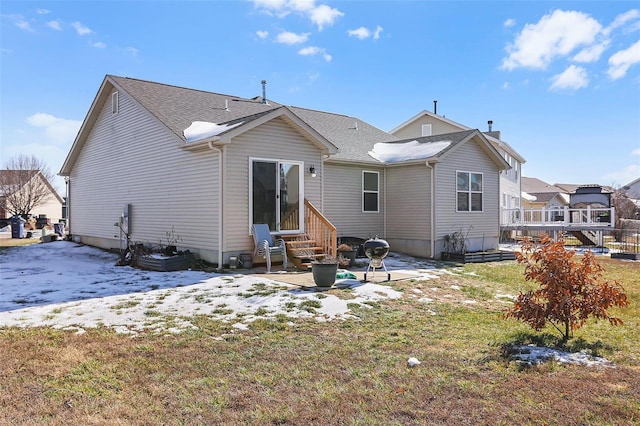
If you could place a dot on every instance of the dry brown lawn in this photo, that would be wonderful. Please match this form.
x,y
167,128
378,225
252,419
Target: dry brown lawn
x,y
351,372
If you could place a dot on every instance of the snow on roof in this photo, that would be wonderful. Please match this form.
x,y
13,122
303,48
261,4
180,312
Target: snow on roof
x,y
528,197
199,130
414,150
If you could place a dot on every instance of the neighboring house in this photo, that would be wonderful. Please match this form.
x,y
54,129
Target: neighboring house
x,y
203,167
537,194
428,123
21,181
632,189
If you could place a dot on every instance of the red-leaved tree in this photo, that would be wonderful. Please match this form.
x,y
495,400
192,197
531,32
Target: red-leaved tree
x,y
570,290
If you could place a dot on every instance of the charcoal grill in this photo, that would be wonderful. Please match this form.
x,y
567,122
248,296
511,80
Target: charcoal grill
x,y
376,250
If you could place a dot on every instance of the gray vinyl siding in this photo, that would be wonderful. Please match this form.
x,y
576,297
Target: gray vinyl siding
x,y
343,201
408,202
480,228
409,209
414,130
275,140
130,158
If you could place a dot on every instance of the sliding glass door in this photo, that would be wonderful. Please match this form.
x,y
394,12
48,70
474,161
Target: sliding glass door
x,y
277,194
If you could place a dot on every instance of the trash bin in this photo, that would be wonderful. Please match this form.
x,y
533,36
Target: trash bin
x,y
17,227
246,260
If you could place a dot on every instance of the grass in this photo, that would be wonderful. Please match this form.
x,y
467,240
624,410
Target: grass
x,y
351,372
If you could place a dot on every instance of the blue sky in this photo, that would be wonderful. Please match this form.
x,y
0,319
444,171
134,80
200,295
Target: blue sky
x,y
560,80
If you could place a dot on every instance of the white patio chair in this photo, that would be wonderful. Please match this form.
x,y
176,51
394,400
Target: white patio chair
x,y
266,245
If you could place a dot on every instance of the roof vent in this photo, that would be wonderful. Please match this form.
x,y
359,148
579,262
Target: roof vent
x,y
226,104
490,123
264,92
435,107
355,126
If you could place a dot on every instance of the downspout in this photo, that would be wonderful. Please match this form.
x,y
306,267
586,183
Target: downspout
x,y
221,203
433,211
384,198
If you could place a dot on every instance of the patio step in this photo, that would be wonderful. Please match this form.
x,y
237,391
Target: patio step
x,y
302,250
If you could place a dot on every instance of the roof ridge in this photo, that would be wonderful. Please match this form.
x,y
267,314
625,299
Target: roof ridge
x,y
182,87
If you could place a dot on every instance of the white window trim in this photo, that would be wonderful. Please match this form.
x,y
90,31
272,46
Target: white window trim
x,y
470,191
115,103
377,192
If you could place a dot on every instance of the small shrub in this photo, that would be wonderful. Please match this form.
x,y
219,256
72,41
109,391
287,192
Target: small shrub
x,y
570,291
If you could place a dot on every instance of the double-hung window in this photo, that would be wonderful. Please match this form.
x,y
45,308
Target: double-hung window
x,y
469,196
370,192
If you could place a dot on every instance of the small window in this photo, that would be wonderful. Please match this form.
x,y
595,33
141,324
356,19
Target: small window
x,y
426,130
370,191
469,195
114,103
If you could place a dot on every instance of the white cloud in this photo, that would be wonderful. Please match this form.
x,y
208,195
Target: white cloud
x,y
59,131
314,50
636,152
360,33
24,25
270,4
324,15
556,34
287,37
364,32
99,45
621,20
321,15
591,53
302,5
55,25
262,34
621,61
81,29
131,51
43,11
509,23
624,175
505,85
572,78
378,31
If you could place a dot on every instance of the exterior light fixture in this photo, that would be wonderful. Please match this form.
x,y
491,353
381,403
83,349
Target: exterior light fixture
x,y
312,171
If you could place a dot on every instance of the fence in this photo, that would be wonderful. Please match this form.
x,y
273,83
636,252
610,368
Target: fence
x,y
613,240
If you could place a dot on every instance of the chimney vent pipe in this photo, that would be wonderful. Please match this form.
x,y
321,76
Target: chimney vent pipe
x,y
490,123
435,107
264,92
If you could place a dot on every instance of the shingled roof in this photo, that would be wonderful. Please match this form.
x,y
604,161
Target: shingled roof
x,y
178,107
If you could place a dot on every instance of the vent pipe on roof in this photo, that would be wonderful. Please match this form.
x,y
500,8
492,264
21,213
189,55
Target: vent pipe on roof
x,y
264,92
490,123
226,104
435,107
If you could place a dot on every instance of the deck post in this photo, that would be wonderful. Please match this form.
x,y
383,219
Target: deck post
x,y
588,214
612,222
566,215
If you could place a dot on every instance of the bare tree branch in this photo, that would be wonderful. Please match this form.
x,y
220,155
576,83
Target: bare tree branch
x,y
25,184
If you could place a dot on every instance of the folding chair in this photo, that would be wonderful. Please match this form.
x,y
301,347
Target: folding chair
x,y
266,245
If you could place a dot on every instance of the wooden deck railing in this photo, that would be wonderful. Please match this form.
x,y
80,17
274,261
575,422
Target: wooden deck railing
x,y
320,229
587,217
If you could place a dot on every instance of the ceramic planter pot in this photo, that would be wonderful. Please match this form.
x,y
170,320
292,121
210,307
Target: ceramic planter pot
x,y
324,274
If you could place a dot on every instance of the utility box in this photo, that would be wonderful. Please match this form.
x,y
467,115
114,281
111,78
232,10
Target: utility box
x,y
246,260
233,262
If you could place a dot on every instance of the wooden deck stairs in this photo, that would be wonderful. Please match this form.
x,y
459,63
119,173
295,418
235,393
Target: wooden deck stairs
x,y
587,238
302,250
318,242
